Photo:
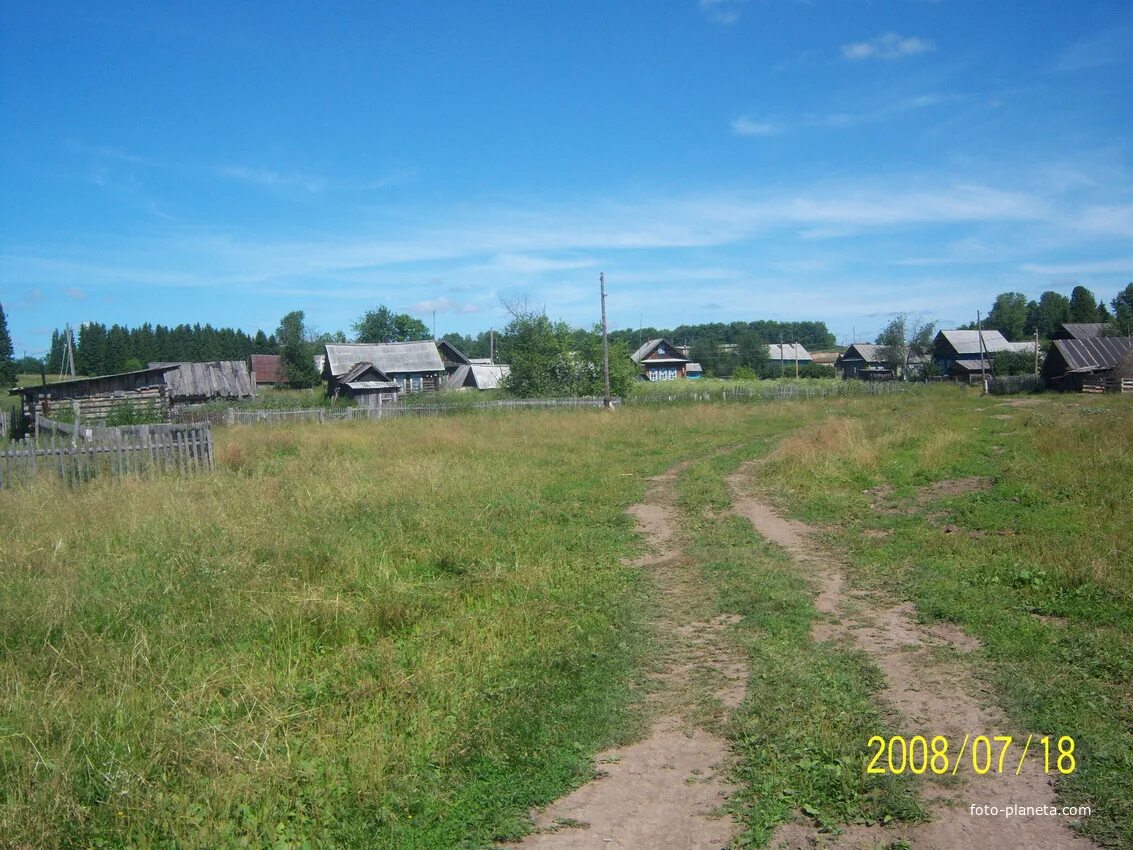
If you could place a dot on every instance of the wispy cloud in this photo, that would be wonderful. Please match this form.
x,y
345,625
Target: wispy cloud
x,y
744,126
75,293
888,45
272,179
725,12
443,305
749,126
1110,47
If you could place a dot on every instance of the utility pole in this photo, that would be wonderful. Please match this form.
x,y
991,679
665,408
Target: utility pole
x,y
492,345
983,358
1036,351
796,359
780,355
68,364
606,401
434,326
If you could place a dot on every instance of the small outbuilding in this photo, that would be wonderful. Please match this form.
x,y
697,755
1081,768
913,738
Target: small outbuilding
x,y
1100,361
368,386
267,369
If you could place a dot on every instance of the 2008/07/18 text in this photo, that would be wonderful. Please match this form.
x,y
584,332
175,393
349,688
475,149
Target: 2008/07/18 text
x,y
919,755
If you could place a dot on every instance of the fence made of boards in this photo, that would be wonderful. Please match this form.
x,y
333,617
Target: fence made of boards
x,y
89,454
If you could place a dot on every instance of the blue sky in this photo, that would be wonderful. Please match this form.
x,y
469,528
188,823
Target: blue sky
x,y
840,160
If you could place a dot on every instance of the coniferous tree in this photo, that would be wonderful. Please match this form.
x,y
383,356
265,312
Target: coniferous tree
x,y
7,359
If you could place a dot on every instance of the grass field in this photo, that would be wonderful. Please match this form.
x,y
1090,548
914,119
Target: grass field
x,y
408,633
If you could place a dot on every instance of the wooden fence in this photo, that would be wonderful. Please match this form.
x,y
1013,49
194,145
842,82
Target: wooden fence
x,y
773,391
107,452
236,416
5,425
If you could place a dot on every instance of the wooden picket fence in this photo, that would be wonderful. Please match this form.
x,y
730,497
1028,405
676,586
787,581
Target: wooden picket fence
x,y
87,454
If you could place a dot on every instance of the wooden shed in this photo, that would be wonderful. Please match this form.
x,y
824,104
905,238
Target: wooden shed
x,y
368,385
1099,361
267,369
97,398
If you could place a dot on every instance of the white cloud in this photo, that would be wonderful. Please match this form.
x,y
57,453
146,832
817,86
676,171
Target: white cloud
x,y
272,179
744,126
75,293
725,12
888,45
443,305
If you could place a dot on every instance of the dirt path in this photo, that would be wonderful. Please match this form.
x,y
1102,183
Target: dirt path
x,y
931,689
665,791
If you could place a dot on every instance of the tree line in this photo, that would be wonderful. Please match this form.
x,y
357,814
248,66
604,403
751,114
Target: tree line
x,y
1018,318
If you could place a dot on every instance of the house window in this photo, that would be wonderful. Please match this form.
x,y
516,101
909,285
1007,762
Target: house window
x,y
415,384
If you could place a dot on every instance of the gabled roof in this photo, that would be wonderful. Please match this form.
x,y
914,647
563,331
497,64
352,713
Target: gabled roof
x,y
267,368
866,351
1093,355
448,351
390,357
213,379
968,342
367,376
694,367
672,353
489,377
787,351
1080,330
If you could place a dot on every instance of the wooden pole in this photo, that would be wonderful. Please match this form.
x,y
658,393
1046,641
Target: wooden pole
x,y
796,360
983,358
1036,351
607,401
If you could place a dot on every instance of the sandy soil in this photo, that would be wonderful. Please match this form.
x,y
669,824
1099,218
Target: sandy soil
x,y
931,690
665,791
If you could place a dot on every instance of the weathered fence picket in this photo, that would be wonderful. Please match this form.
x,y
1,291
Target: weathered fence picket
x,y
127,453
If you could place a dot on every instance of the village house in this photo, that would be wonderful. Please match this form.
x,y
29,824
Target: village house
x,y
413,366
660,360
958,353
787,354
865,361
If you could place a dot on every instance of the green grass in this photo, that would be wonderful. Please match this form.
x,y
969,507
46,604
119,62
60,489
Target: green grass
x,y
1039,568
408,633
397,634
798,737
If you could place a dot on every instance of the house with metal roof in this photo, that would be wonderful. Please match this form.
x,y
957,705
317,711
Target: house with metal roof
x,y
965,355
414,366
660,360
1098,361
788,353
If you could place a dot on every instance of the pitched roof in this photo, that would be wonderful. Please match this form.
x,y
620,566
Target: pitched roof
x,y
694,367
390,357
153,375
489,377
866,351
212,379
448,351
968,342
787,351
672,355
1081,330
1092,355
267,368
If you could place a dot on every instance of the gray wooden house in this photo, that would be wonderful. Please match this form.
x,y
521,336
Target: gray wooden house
x,y
414,366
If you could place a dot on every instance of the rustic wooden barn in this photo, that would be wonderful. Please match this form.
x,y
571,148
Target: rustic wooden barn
x,y
660,360
368,385
958,353
97,398
267,369
413,366
1072,364
191,383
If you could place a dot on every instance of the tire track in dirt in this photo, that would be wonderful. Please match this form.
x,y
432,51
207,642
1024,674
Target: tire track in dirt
x,y
664,791
932,692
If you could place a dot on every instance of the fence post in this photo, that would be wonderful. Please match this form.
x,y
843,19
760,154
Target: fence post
x,y
230,416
